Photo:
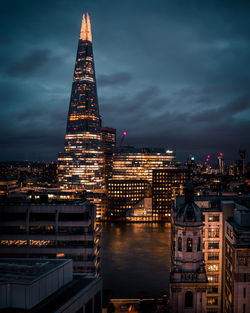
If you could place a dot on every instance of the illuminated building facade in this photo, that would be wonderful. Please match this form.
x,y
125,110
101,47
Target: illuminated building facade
x,y
216,210
108,136
123,195
80,165
166,185
188,279
213,253
51,230
137,164
236,293
221,163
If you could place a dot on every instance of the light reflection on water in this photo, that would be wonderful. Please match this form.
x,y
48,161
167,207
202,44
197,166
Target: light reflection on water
x,y
135,258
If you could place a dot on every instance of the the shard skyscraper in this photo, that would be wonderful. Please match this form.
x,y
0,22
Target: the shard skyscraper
x,y
80,165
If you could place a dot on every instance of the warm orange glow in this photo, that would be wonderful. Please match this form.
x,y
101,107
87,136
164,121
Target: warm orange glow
x,y
85,33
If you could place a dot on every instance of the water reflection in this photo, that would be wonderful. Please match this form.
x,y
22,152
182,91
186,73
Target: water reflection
x,y
135,258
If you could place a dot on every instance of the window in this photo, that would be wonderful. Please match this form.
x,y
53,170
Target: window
x,y
242,260
212,267
188,299
189,245
212,289
244,292
213,278
212,300
213,218
179,244
214,233
212,256
199,244
213,245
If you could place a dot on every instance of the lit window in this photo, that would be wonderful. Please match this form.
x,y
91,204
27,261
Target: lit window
x,y
189,245
212,267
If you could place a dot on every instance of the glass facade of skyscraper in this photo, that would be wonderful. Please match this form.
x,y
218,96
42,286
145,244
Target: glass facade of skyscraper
x,y
80,165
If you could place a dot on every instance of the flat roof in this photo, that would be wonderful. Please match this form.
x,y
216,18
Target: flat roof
x,y
60,297
26,271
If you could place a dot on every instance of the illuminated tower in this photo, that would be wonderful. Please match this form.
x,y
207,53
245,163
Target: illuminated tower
x,y
221,163
80,165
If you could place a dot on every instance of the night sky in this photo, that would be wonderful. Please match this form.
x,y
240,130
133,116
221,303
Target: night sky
x,y
174,74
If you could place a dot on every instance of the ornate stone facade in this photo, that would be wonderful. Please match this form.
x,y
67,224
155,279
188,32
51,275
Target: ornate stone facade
x,y
188,277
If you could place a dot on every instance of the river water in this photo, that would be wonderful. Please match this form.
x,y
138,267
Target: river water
x,y
135,259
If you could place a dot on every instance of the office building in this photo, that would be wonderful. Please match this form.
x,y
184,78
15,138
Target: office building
x,y
136,163
51,230
80,165
221,163
213,253
166,185
45,285
123,195
108,136
237,262
216,210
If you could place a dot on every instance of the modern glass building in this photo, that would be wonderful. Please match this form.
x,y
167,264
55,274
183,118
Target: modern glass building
x,y
80,165
139,163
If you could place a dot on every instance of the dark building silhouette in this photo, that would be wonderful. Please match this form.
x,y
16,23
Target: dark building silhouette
x,y
108,136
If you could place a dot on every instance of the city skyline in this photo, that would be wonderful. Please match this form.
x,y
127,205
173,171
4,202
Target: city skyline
x,y
183,85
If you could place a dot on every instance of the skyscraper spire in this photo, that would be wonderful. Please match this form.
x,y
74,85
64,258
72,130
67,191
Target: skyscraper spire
x,y
88,30
83,28
85,33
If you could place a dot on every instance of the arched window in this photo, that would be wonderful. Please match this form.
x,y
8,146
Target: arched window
x,y
189,299
199,244
189,245
179,244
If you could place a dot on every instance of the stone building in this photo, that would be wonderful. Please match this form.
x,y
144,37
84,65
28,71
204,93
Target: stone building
x,y
188,279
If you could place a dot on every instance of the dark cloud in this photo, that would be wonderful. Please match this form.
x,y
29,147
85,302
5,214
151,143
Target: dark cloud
x,y
121,78
224,111
172,73
30,63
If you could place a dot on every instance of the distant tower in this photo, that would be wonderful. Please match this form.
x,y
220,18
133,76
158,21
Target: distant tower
x,y
221,163
242,161
80,166
188,278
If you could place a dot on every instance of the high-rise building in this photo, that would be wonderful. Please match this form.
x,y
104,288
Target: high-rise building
x,y
241,162
167,184
80,165
221,163
108,136
237,262
188,279
136,163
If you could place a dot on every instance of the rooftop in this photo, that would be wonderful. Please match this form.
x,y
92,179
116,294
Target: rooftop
x,y
27,271
60,297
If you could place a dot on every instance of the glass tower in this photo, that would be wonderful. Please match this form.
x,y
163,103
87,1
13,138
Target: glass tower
x,y
80,165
